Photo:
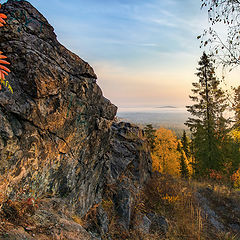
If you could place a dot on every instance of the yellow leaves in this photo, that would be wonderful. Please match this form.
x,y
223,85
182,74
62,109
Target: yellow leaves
x,y
235,178
235,134
78,220
6,84
156,163
170,199
165,156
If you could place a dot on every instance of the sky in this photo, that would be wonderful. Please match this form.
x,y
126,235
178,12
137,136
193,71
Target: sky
x,y
144,52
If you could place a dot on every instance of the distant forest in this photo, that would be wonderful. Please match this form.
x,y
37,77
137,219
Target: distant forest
x,y
212,147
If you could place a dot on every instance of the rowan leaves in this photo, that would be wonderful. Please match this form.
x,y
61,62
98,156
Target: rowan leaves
x,y
3,69
2,16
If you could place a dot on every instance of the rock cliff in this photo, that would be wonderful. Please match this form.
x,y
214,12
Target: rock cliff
x,y
58,138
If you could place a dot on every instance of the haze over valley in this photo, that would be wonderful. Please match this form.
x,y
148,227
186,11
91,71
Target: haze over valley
x,y
162,116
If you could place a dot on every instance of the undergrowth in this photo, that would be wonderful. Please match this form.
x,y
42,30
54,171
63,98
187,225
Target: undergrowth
x,y
175,200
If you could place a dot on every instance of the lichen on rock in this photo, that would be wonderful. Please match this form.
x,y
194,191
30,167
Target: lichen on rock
x,y
58,135
56,125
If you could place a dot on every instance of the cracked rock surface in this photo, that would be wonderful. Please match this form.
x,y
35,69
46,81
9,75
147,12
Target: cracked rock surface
x,y
59,142
55,127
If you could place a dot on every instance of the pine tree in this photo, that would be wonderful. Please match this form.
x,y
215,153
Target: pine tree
x,y
207,122
185,144
183,166
150,135
179,148
183,159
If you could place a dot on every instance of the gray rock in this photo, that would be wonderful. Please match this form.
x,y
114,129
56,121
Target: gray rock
x,y
235,227
211,215
57,131
142,223
122,204
130,167
55,127
158,223
103,220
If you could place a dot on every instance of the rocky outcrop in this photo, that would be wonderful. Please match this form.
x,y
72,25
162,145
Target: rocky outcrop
x,y
58,138
222,212
129,167
55,127
51,220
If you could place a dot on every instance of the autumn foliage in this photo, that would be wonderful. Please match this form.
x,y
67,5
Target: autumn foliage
x,y
2,17
235,178
165,155
3,70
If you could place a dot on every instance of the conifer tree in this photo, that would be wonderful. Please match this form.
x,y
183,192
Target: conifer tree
x,y
179,148
183,166
207,122
150,135
183,160
185,144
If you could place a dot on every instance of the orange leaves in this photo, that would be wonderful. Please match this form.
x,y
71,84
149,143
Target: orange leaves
x,y
3,70
2,16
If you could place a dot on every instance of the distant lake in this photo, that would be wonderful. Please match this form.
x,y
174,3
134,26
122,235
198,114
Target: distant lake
x,y
171,117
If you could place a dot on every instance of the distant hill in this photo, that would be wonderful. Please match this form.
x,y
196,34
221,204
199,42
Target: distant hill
x,y
166,107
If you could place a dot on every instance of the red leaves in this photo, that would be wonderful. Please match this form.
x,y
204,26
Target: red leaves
x,y
2,16
1,19
3,70
31,201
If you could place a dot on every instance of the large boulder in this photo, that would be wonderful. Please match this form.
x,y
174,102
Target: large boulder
x,y
55,127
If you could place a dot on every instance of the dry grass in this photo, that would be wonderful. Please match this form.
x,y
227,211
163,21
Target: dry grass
x,y
78,220
173,199
164,195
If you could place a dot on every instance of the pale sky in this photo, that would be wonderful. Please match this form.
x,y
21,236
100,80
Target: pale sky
x,y
144,52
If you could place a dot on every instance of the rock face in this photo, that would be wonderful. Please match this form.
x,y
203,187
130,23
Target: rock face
x,y
130,168
58,137
55,127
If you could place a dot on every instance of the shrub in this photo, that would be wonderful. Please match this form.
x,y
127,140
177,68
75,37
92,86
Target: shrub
x,y
235,178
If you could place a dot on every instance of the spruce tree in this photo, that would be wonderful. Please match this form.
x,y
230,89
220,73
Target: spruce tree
x,y
150,135
185,144
183,166
183,160
208,121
